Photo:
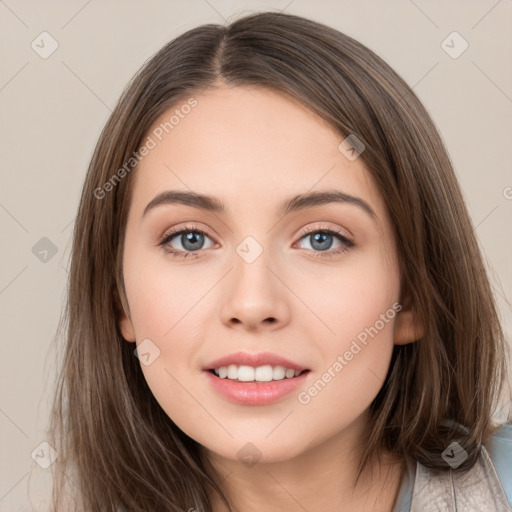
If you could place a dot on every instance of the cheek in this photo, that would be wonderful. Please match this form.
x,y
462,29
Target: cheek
x,y
349,299
162,297
171,307
356,317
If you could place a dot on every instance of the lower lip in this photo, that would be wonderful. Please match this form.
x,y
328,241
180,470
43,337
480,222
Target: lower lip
x,y
255,393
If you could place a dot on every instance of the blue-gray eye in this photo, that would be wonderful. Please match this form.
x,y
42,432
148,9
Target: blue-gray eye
x,y
322,240
190,240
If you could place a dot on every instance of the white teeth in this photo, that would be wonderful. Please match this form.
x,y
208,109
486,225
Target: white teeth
x,y
279,372
264,373
245,373
290,373
232,371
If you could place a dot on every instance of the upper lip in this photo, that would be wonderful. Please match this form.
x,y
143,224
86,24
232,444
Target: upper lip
x,y
255,360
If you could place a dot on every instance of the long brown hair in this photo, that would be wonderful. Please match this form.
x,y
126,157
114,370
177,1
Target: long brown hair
x,y
113,439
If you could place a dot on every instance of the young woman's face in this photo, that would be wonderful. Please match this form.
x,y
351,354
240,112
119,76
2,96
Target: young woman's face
x,y
313,286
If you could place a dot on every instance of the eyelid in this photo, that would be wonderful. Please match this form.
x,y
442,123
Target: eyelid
x,y
322,226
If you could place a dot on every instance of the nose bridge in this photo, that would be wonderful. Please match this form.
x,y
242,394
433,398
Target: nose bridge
x,y
255,294
252,277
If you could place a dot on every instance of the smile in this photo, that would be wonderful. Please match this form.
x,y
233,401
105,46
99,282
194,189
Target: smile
x,y
264,373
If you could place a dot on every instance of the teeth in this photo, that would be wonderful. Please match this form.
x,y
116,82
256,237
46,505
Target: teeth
x,y
264,373
232,371
245,373
278,373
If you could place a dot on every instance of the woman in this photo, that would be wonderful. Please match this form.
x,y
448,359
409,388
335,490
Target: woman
x,y
270,218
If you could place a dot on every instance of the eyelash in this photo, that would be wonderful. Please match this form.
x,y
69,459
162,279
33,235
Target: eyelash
x,y
348,244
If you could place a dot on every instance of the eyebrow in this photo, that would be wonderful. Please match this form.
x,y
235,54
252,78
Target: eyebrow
x,y
296,203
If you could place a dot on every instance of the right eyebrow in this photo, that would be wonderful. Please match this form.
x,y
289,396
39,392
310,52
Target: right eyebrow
x,y
193,199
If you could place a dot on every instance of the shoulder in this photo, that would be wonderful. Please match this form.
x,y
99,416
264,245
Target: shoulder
x,y
500,451
486,486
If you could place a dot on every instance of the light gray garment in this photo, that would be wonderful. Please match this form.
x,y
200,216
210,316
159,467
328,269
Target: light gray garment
x,y
481,489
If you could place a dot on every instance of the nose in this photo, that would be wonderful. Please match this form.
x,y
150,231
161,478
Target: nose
x,y
254,297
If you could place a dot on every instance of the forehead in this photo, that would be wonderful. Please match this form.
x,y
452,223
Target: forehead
x,y
249,146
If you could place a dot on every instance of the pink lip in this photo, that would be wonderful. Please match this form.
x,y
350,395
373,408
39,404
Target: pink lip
x,y
255,393
261,359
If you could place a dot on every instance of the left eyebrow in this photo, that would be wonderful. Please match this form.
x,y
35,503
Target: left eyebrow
x,y
312,199
296,203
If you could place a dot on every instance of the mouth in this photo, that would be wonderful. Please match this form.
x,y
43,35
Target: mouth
x,y
261,378
260,385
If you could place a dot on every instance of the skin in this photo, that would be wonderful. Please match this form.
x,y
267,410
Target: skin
x,y
253,148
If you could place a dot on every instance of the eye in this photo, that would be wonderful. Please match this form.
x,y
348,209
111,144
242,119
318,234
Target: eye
x,y
321,241
188,240
183,243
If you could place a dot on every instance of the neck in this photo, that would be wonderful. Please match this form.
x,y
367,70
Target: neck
x,y
322,477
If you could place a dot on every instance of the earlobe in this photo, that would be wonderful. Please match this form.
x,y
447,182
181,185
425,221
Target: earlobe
x,y
407,328
127,330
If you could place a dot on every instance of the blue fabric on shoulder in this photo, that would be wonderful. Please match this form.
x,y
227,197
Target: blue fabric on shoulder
x,y
501,456
403,503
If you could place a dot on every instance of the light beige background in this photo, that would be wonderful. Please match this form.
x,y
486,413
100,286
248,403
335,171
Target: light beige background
x,y
53,109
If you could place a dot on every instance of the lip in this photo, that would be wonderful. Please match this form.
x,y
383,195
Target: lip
x,y
255,360
254,393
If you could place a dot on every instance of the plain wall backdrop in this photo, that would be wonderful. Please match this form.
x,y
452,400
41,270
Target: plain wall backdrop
x,y
64,65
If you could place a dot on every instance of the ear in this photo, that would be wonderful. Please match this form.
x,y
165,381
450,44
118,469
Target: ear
x,y
125,323
126,326
408,328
